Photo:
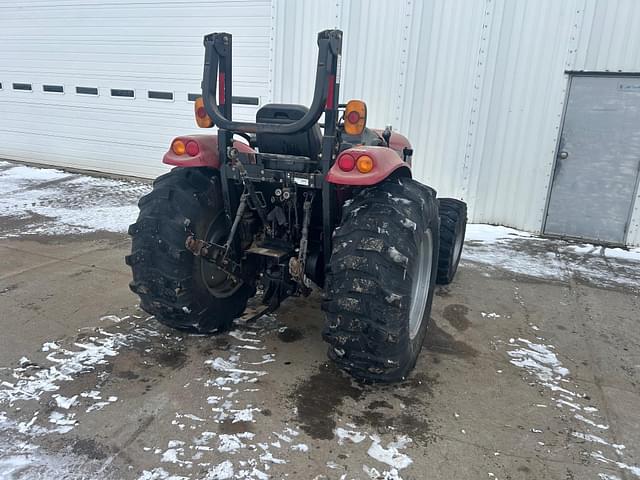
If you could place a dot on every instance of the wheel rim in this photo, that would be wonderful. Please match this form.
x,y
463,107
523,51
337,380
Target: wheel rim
x,y
457,248
217,281
421,284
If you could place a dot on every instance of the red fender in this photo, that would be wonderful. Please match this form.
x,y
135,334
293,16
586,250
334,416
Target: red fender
x,y
385,162
207,152
397,142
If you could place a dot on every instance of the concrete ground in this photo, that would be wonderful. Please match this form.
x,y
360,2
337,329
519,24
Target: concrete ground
x,y
531,370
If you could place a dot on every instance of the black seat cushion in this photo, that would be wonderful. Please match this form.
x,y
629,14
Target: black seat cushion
x,y
306,144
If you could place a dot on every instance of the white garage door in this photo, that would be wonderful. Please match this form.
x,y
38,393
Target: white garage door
x,y
105,85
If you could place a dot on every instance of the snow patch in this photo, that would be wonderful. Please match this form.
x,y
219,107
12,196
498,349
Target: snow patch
x,y
588,437
222,471
410,224
608,476
70,203
525,254
343,435
30,384
538,359
591,422
397,257
621,465
160,473
65,402
46,346
391,455
269,458
65,421
374,474
230,442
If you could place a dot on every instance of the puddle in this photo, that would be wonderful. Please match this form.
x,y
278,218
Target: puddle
x,y
319,397
456,315
171,358
288,334
90,448
228,426
379,404
437,340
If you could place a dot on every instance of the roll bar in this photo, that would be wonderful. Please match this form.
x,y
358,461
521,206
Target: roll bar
x,y
217,62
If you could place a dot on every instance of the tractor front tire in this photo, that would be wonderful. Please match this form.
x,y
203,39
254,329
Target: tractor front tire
x,y
453,224
183,291
381,280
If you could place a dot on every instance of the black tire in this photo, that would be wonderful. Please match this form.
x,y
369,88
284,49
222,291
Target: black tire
x,y
453,225
369,286
167,277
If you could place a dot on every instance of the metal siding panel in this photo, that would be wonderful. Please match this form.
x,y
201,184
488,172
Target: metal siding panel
x,y
147,45
521,108
609,40
371,63
441,81
295,47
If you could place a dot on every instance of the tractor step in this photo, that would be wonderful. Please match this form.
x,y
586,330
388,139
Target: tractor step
x,y
252,314
273,253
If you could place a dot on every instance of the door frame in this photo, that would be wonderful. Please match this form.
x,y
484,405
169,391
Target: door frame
x,y
571,74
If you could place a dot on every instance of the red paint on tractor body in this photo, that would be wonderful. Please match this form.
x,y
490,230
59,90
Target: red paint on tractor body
x,y
207,155
330,92
385,162
397,142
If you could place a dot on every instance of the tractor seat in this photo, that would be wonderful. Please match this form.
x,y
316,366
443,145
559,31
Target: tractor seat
x,y
305,144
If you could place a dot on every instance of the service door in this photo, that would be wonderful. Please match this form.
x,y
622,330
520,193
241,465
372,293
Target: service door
x,y
598,160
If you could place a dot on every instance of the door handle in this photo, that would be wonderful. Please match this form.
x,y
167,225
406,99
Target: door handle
x,y
563,155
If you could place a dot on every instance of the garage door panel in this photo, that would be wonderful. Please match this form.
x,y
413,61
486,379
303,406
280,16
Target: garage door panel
x,y
141,161
13,49
146,46
99,107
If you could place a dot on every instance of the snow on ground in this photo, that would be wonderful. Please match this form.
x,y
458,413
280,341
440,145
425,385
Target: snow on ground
x,y
53,202
20,459
542,364
29,387
46,201
230,384
525,254
391,455
31,382
229,404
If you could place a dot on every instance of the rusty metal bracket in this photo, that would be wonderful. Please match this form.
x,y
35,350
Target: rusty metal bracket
x,y
212,252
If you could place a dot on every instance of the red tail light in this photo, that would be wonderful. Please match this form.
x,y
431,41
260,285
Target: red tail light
x,y
346,162
353,117
192,148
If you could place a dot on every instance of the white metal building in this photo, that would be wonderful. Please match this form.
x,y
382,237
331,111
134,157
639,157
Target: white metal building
x,y
497,96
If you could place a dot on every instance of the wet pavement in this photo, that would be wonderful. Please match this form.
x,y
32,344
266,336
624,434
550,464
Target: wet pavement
x,y
530,370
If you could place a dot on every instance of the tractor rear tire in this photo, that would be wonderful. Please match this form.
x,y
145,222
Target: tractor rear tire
x,y
381,280
453,225
183,291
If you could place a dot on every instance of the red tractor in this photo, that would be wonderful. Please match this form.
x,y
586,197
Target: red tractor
x,y
287,202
